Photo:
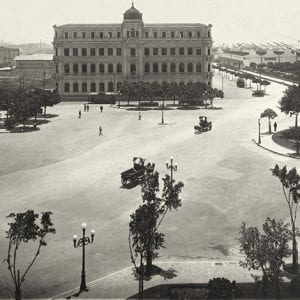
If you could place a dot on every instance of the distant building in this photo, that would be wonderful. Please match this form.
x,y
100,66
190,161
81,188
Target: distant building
x,y
7,55
246,56
35,61
93,58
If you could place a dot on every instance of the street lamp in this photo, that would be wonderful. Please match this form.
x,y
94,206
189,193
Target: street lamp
x,y
162,113
172,167
259,139
82,242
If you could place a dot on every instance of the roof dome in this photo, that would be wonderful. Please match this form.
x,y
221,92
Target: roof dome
x,y
132,14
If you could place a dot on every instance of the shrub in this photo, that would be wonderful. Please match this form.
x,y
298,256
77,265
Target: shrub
x,y
221,288
148,103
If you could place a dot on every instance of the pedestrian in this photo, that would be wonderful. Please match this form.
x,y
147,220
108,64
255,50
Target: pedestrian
x,y
79,114
140,116
100,130
275,126
101,108
87,107
84,107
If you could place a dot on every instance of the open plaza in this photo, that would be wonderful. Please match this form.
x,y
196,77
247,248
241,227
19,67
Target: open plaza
x,y
68,168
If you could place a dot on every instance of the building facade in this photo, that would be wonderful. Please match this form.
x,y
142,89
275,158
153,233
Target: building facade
x,y
7,55
35,61
99,58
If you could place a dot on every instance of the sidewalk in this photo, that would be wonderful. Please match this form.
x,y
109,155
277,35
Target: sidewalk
x,y
122,284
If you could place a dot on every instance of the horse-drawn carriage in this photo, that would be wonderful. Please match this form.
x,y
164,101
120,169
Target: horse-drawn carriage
x,y
204,125
136,174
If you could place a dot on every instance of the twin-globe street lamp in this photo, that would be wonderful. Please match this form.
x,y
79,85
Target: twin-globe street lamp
x,y
82,242
172,167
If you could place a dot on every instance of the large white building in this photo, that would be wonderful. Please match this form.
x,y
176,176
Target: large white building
x,y
91,58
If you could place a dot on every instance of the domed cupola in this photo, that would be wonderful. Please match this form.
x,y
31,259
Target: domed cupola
x,y
132,14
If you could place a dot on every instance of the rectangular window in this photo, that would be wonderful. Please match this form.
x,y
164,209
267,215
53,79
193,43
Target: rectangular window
x,y
83,35
66,52
190,34
155,34
119,51
132,51
164,51
93,51
198,34
198,51
92,35
155,51
83,52
75,51
101,51
147,51
56,52
173,51
190,51
110,51
181,51
181,34
137,34
110,35
172,34
164,34
66,35
75,35
118,34
128,34
146,34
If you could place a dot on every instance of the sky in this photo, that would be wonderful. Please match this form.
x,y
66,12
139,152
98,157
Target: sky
x,y
23,21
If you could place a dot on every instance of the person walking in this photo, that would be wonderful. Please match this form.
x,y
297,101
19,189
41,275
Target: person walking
x,y
84,107
275,126
87,107
100,130
140,116
79,114
101,108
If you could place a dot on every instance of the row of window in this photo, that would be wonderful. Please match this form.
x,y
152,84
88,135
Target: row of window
x,y
148,68
147,51
132,33
84,87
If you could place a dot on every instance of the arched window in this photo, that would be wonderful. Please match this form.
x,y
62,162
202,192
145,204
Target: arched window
x,y
132,69
110,87
67,87
208,68
101,87
181,68
93,87
190,68
198,68
164,68
119,68
155,68
101,68
146,68
75,87
66,69
173,68
84,87
132,32
84,69
119,86
110,68
75,69
93,68
208,51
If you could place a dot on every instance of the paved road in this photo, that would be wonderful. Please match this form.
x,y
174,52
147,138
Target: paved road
x,y
68,169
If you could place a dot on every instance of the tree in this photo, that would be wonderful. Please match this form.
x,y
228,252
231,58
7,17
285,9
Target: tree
x,y
46,98
290,183
266,251
290,102
23,229
270,114
144,237
265,83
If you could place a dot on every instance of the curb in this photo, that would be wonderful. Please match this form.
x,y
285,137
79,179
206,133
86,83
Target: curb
x,y
275,152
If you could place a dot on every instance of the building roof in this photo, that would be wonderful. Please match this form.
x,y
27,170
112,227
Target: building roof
x,y
236,52
7,48
35,57
132,14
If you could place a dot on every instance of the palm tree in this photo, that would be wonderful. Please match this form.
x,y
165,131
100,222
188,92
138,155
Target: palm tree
x,y
270,114
265,83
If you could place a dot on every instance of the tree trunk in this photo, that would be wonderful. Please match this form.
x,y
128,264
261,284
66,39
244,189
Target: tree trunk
x,y
18,293
277,288
45,107
296,120
149,264
295,248
270,130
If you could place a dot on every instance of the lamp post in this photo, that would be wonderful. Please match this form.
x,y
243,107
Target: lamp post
x,y
82,242
222,82
44,82
162,113
259,139
172,167
141,279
